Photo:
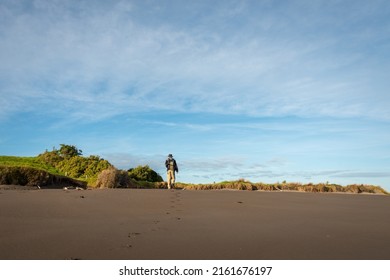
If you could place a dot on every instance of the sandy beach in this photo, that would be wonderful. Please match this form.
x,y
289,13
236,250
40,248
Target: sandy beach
x,y
181,224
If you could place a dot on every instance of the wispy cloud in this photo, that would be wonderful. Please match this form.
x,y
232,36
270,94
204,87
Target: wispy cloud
x,y
84,59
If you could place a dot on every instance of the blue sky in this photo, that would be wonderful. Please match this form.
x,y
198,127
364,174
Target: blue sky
x,y
263,90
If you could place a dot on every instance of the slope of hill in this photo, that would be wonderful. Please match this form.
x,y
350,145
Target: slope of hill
x,y
33,162
34,177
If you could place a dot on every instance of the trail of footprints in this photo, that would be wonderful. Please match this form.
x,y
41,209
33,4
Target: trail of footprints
x,y
172,212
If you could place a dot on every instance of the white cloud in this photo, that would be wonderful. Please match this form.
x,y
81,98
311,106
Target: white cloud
x,y
100,58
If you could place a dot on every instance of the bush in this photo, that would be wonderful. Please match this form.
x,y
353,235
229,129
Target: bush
x,y
68,161
68,151
144,173
113,178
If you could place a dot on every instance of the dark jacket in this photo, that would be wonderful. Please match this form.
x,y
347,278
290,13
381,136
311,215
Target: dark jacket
x,y
171,164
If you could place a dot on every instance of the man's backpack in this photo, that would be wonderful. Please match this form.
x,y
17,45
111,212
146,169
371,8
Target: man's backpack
x,y
171,164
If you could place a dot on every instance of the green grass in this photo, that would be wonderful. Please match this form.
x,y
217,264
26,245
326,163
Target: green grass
x,y
32,162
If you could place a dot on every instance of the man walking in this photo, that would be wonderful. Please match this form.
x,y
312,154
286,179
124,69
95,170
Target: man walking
x,y
171,166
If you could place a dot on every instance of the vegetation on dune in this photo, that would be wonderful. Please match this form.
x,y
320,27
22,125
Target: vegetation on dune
x,y
144,173
68,162
86,168
67,166
114,178
22,175
310,187
32,162
29,176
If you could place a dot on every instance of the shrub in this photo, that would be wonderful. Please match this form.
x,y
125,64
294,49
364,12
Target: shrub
x,y
68,161
107,178
114,178
95,165
144,173
73,167
52,158
68,151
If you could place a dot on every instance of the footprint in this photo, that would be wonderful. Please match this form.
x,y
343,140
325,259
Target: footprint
x,y
133,234
127,246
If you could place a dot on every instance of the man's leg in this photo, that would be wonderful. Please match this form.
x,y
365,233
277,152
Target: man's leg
x,y
169,178
173,179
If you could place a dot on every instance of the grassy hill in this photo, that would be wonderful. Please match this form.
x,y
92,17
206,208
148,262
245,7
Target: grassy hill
x,y
67,166
27,176
32,162
33,171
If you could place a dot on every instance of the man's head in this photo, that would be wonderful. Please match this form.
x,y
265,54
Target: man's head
x,y
170,156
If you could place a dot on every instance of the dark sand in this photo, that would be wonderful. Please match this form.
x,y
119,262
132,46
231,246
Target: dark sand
x,y
179,224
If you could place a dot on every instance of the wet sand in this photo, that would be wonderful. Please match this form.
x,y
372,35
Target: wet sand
x,y
179,224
